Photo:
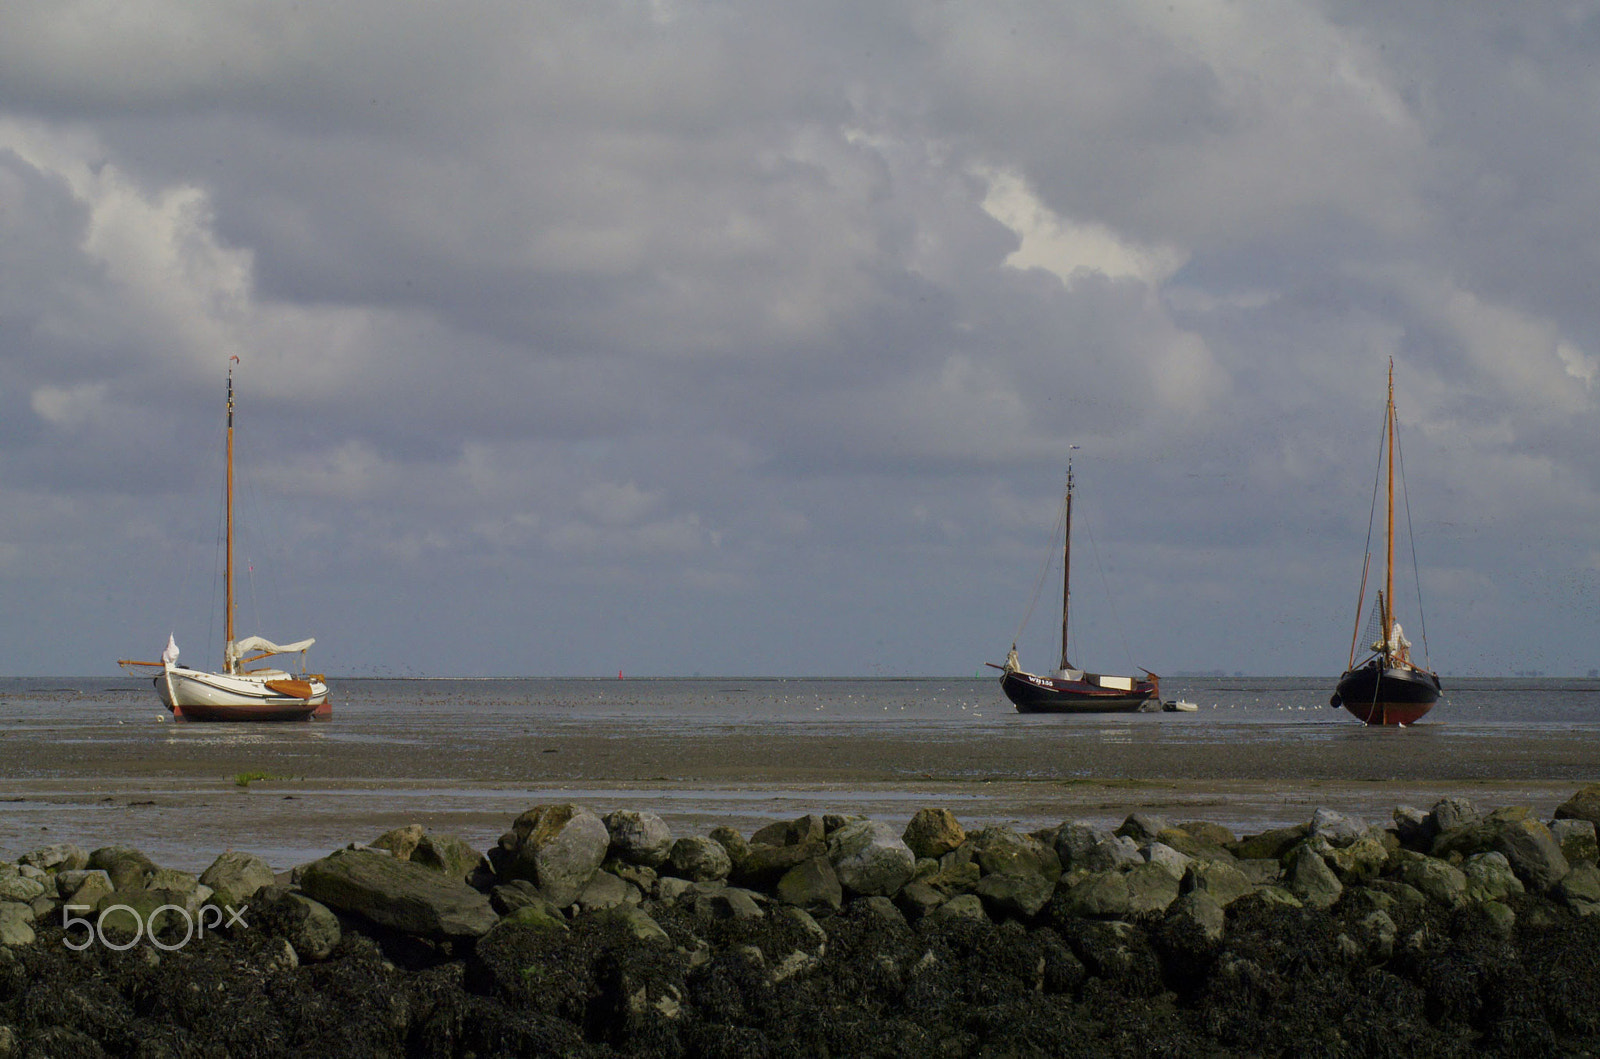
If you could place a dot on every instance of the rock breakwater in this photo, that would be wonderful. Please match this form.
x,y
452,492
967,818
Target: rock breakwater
x,y
1446,931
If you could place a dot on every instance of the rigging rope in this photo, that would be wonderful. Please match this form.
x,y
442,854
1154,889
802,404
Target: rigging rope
x,y
1049,561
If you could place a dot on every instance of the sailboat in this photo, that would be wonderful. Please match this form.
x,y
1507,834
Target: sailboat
x,y
237,693
1069,689
1387,687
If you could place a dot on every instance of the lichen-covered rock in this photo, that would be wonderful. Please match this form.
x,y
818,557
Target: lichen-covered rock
x,y
308,925
1449,814
1112,853
449,854
870,858
639,837
83,887
1357,861
1224,882
1580,889
1439,881
235,876
1015,894
399,895
1270,845
799,832
1164,856
400,841
1584,805
1489,877
1074,841
57,857
16,924
1340,829
811,884
1142,827
700,859
1576,839
19,888
127,868
933,833
1309,878
558,848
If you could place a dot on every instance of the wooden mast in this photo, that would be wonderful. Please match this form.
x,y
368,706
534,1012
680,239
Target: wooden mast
x,y
1066,570
1388,572
227,569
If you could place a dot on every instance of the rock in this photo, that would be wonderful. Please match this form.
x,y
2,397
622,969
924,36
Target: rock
x,y
967,907
1339,829
1439,881
726,902
59,857
310,926
1142,891
1576,839
1142,827
541,915
700,859
639,838
640,926
1194,923
234,877
1585,805
1580,889
1270,845
1449,814
558,848
1377,933
399,895
1015,894
83,887
1074,841
732,843
20,888
933,833
918,898
401,841
453,856
870,858
1358,861
606,891
147,912
1415,828
1224,882
1113,853
1164,856
1489,877
1202,843
812,884
1310,879
127,867
763,864
1533,852
804,831
16,924
1002,850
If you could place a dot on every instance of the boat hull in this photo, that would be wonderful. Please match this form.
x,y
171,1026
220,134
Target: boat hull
x,y
193,695
1036,694
1378,694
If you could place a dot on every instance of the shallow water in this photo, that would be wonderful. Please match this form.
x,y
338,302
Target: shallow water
x,y
97,760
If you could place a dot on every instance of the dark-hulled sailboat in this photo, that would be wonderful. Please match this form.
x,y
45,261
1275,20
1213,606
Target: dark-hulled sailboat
x,y
1387,687
1069,689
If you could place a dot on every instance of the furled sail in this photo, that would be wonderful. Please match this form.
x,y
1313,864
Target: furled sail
x,y
258,645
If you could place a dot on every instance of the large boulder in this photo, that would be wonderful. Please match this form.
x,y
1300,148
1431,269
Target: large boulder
x,y
1310,879
1270,845
60,856
16,924
1576,839
870,858
1438,880
127,867
639,838
399,895
700,859
802,831
1340,829
1585,805
235,876
812,884
1224,882
309,926
449,854
1489,877
558,848
933,833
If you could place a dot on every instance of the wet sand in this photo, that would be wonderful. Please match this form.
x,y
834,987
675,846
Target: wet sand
x,y
183,794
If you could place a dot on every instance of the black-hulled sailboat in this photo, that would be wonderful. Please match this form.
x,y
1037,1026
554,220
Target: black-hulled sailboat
x,y
1387,687
1069,689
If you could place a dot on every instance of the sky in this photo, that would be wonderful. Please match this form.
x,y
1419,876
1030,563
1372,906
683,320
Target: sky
x,y
684,337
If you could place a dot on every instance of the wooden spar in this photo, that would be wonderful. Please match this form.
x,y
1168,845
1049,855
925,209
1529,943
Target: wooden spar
x,y
1388,569
227,569
1066,571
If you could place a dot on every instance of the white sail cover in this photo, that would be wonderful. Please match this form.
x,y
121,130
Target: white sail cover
x,y
169,655
258,645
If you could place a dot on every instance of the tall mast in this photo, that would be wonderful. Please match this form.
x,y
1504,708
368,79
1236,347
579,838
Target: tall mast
x,y
1066,570
1388,572
227,569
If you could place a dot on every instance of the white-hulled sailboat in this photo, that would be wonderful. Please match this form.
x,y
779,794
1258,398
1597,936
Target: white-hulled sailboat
x,y
237,693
